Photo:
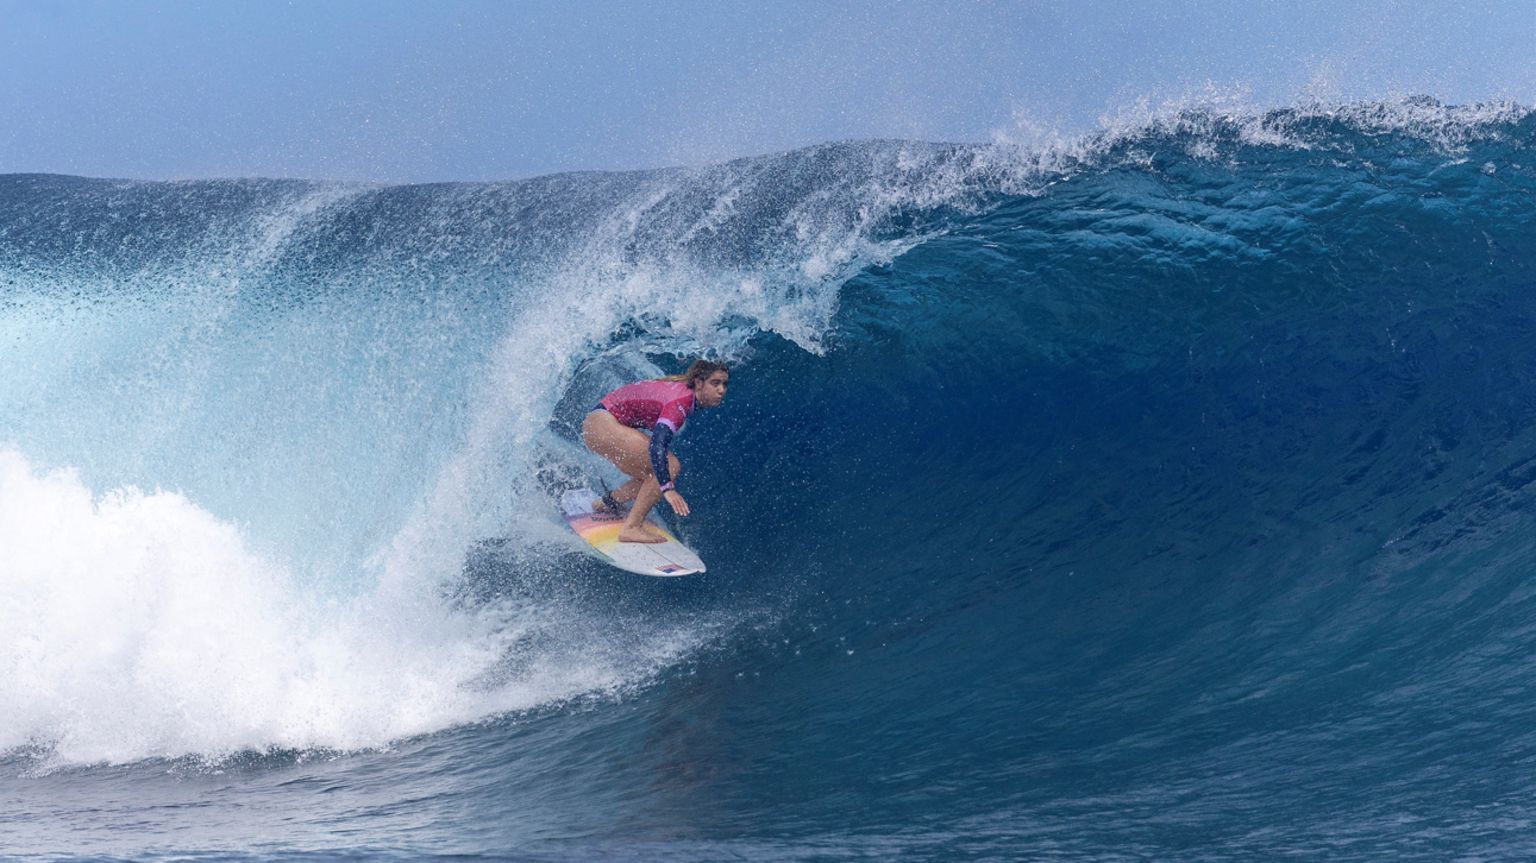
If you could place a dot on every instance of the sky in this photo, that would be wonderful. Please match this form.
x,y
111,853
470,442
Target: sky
x,y
393,91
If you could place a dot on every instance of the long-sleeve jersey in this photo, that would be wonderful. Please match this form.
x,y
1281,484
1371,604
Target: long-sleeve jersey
x,y
660,406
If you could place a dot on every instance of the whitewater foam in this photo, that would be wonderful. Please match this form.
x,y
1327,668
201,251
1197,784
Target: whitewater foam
x,y
135,625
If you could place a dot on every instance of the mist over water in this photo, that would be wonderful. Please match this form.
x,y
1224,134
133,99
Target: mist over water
x,y
1155,494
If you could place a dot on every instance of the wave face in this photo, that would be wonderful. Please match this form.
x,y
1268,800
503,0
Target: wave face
x,y
1161,495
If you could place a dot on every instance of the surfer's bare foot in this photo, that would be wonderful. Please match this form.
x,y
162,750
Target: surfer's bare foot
x,y
640,534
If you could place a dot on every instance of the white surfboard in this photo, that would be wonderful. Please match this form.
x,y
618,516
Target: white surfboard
x,y
600,530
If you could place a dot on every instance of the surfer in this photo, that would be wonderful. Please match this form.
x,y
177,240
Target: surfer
x,y
613,431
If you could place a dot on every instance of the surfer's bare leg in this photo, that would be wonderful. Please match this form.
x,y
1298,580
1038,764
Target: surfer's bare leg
x,y
629,450
628,491
631,490
622,495
645,501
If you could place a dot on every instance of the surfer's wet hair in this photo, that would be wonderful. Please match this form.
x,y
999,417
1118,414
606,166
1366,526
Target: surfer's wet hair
x,y
698,371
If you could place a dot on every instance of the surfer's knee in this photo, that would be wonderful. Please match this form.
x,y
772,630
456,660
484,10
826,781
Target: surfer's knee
x,y
675,465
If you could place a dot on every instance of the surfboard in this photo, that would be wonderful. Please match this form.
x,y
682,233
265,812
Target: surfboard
x,y
600,530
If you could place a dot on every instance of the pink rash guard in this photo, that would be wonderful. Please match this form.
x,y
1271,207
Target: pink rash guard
x,y
662,407
644,404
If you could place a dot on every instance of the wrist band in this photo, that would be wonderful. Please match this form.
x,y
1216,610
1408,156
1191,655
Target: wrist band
x,y
668,487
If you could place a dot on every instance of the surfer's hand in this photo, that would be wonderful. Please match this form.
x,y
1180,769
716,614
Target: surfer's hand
x,y
675,501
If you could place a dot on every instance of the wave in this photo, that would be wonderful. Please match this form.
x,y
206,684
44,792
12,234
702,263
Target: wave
x,y
1188,425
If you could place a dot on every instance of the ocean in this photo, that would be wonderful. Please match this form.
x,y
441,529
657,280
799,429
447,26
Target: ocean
x,y
1161,494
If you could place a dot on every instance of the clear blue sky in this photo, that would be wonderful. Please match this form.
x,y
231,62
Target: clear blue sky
x,y
461,89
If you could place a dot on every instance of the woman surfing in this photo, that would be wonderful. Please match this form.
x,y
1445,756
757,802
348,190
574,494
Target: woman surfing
x,y
613,430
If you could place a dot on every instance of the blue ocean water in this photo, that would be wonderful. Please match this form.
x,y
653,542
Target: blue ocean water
x,y
1161,495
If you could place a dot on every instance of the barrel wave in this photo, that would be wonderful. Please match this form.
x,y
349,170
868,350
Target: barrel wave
x,y
1162,495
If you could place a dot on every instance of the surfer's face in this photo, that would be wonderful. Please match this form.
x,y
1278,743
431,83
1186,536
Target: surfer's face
x,y
710,392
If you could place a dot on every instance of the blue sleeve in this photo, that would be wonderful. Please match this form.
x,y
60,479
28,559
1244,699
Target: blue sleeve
x,y
661,438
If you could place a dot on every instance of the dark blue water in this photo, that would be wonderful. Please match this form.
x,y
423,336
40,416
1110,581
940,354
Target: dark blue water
x,y
1165,496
